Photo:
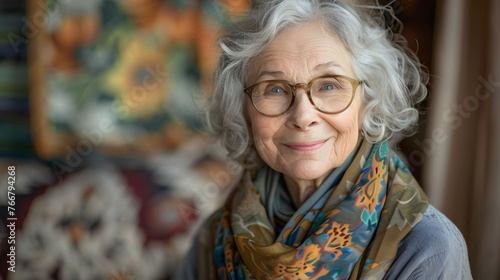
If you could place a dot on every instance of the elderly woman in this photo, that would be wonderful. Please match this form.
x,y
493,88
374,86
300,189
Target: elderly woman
x,y
307,95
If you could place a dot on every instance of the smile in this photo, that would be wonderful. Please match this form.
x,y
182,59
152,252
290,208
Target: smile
x,y
306,146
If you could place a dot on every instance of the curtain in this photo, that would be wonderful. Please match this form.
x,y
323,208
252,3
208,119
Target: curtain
x,y
462,143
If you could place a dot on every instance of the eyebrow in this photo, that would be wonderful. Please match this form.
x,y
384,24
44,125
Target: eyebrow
x,y
271,73
319,67
326,65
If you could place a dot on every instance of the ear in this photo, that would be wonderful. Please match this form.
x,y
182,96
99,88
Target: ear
x,y
250,133
246,114
361,115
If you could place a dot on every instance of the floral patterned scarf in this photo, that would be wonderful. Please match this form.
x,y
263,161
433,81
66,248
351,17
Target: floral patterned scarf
x,y
348,229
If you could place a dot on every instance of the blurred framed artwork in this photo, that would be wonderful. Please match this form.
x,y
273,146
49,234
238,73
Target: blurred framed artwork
x,y
122,77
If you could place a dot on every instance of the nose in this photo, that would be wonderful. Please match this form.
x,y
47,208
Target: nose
x,y
303,115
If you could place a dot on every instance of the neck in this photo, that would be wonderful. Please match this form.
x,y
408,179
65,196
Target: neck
x,y
301,190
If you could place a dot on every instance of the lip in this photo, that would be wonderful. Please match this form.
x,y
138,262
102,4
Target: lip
x,y
306,146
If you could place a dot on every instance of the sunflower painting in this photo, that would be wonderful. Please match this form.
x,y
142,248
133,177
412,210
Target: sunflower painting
x,y
132,72
141,91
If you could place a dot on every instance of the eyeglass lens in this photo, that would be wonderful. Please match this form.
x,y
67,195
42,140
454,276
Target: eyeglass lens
x,y
330,95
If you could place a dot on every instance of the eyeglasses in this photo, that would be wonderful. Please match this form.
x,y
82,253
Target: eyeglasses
x,y
328,94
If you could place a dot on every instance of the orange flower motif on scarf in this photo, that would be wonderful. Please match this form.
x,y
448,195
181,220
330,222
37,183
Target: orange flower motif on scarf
x,y
304,268
304,263
368,195
338,238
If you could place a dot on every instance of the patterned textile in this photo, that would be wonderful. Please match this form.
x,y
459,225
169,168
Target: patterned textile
x,y
349,228
111,219
137,67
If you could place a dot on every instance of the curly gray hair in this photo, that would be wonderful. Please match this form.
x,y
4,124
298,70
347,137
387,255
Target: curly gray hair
x,y
397,81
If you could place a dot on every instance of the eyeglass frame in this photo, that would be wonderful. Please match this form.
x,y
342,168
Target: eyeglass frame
x,y
307,87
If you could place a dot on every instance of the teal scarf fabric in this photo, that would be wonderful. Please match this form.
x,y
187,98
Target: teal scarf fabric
x,y
348,229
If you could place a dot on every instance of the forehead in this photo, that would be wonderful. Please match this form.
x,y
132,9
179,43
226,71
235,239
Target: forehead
x,y
301,49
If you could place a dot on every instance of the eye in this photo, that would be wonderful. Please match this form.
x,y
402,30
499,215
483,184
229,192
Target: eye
x,y
277,90
274,89
327,87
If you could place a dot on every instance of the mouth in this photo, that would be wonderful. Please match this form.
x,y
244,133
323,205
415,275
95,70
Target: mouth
x,y
306,146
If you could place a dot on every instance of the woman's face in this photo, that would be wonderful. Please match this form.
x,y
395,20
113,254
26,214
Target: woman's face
x,y
304,143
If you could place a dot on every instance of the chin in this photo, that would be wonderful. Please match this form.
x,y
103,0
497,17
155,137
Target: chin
x,y
309,171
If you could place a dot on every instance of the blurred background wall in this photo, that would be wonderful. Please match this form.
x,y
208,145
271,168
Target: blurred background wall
x,y
99,116
100,123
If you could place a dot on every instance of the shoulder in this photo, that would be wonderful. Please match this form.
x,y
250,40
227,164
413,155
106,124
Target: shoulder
x,y
435,233
200,252
433,249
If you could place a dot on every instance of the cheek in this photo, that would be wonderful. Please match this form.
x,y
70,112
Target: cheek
x,y
264,144
349,123
260,136
347,128
346,123
263,132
